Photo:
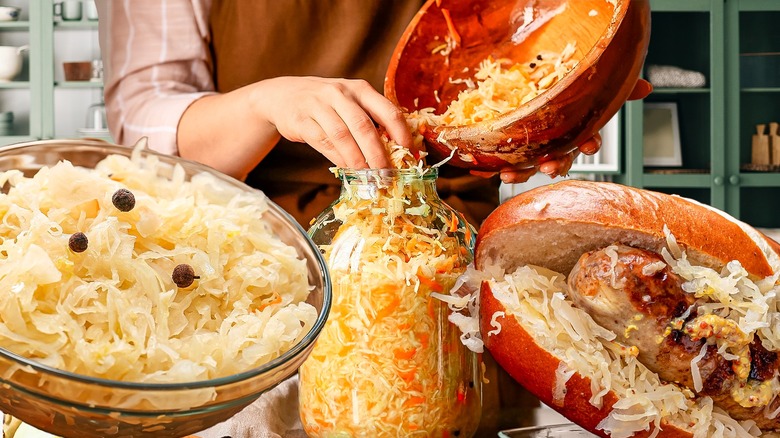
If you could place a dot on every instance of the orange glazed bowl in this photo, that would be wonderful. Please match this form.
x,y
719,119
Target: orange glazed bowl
x,y
610,38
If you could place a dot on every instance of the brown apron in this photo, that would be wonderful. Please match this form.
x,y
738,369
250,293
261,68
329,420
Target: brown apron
x,y
254,40
260,39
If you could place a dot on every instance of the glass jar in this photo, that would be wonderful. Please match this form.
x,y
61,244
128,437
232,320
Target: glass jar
x,y
388,362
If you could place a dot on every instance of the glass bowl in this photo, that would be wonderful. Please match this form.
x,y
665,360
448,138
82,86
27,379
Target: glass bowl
x,y
68,404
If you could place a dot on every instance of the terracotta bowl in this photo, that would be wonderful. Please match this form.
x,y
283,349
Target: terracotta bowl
x,y
77,71
611,39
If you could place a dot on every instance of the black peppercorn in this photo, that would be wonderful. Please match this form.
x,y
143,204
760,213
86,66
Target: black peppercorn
x,y
183,275
123,200
539,57
78,242
532,65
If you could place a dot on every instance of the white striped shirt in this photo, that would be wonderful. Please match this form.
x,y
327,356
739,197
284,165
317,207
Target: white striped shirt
x,y
156,63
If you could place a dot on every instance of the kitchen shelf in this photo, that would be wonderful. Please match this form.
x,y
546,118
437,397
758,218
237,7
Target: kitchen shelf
x,y
79,84
681,90
14,25
81,24
677,179
681,6
716,123
14,85
44,105
761,90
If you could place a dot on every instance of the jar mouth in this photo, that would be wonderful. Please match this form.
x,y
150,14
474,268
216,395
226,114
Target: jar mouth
x,y
349,175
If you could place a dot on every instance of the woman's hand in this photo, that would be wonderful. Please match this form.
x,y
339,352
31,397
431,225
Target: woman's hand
x,y
562,165
233,132
335,116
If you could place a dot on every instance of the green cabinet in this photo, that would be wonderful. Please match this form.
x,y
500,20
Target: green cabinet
x,y
736,45
44,104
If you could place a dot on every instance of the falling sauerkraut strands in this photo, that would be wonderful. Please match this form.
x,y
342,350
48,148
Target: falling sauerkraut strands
x,y
536,297
113,310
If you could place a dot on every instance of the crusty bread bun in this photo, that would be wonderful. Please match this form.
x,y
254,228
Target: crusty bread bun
x,y
554,349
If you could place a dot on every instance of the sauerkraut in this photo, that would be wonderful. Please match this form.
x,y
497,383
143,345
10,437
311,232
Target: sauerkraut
x,y
536,297
502,86
387,362
113,311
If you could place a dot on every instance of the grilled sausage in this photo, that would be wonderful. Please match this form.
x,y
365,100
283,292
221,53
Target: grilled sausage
x,y
633,293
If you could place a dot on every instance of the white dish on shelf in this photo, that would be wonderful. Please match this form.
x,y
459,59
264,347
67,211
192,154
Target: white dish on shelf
x,y
9,13
11,61
95,133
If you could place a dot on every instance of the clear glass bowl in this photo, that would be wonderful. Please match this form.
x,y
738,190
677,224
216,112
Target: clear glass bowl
x,y
68,404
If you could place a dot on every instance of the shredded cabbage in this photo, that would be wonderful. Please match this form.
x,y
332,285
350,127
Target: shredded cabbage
x,y
536,297
387,363
113,311
499,89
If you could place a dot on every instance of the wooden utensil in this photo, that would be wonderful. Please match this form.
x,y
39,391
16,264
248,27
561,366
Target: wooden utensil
x,y
760,146
774,143
611,42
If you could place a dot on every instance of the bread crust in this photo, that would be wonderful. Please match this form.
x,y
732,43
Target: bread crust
x,y
610,211
536,228
534,367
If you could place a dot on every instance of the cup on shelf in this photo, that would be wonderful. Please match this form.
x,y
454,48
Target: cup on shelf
x,y
11,61
90,10
96,117
68,10
77,71
9,13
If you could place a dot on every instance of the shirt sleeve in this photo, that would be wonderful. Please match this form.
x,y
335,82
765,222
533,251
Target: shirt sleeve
x,y
156,63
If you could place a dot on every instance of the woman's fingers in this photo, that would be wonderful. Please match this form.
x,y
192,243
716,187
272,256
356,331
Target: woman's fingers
x,y
385,113
339,137
559,167
313,134
591,145
642,89
515,176
363,131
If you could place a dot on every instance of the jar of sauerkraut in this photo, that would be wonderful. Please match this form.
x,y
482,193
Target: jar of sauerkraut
x,y
388,362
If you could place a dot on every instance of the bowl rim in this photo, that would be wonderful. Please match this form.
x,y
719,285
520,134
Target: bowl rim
x,y
287,356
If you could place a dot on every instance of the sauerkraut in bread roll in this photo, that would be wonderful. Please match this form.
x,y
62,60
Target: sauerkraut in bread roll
x,y
633,312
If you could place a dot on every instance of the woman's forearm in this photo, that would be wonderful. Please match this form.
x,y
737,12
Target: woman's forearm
x,y
224,131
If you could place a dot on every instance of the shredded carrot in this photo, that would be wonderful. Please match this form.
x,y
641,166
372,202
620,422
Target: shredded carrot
x,y
451,26
408,376
413,401
400,353
277,300
453,223
468,234
430,283
424,339
438,3
387,310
